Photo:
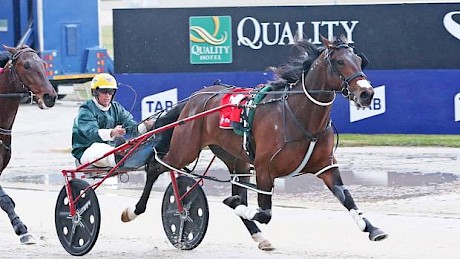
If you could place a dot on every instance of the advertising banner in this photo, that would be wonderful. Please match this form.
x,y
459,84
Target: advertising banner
x,y
399,36
412,48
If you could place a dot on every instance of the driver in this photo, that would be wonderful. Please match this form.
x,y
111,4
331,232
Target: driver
x,y
101,123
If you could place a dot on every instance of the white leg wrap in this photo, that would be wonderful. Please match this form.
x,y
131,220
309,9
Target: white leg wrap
x,y
131,214
357,216
245,212
258,237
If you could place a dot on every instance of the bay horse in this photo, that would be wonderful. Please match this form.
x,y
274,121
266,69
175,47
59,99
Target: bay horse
x,y
23,74
291,133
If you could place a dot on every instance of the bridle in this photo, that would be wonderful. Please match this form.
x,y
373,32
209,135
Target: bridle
x,y
14,77
345,80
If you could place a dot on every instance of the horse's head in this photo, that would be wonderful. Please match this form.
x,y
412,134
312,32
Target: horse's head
x,y
345,68
29,70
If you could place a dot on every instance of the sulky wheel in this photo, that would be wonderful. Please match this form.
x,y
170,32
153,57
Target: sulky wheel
x,y
185,230
79,233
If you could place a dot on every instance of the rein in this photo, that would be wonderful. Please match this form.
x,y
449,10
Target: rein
x,y
17,95
6,132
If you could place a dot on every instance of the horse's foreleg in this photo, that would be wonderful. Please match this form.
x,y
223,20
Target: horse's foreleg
x,y
264,183
262,214
334,182
153,172
7,204
256,233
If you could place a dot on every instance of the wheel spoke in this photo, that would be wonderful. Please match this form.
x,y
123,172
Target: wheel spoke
x,y
84,228
73,232
84,208
191,199
172,211
64,215
181,230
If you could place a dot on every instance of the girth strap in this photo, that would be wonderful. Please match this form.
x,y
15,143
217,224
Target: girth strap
x,y
297,171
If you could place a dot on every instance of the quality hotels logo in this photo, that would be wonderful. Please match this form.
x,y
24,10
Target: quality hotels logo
x,y
210,39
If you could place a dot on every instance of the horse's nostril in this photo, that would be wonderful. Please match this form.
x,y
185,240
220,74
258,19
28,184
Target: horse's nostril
x,y
366,95
49,100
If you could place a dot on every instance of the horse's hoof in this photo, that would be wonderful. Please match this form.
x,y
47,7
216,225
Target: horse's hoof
x,y
266,246
232,201
128,215
27,239
377,235
19,227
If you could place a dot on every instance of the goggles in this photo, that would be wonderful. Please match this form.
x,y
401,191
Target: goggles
x,y
107,91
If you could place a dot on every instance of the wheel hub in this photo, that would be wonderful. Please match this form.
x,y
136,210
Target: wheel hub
x,y
184,214
76,219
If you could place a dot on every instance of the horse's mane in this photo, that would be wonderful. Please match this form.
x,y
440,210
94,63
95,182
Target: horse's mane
x,y
4,57
305,54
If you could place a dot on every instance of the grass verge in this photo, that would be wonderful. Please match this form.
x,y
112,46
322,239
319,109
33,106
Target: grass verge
x,y
402,140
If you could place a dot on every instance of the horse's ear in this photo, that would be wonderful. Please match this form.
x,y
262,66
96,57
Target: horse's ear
x,y
364,60
343,39
10,49
326,42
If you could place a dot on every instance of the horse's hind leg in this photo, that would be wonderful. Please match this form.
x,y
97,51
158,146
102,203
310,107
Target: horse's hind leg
x,y
333,181
7,204
154,169
240,195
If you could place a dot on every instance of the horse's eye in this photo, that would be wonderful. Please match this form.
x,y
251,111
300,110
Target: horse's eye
x,y
340,62
27,65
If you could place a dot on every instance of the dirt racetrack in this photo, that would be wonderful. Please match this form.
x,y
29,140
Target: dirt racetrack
x,y
411,193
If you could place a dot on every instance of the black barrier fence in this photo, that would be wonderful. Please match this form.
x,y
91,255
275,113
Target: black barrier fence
x,y
397,36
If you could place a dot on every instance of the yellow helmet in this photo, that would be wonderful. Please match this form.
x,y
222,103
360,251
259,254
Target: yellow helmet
x,y
103,81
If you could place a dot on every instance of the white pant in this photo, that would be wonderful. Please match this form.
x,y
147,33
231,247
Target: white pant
x,y
97,150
